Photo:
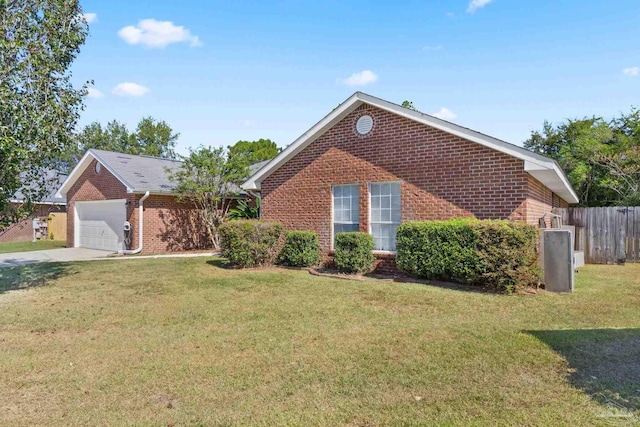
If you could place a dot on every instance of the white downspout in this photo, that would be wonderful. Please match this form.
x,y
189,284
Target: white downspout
x,y
140,224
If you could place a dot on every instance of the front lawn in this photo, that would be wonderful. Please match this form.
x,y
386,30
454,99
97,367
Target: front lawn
x,y
187,342
31,246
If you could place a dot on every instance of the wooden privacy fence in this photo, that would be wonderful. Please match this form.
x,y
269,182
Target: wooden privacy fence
x,y
57,225
606,235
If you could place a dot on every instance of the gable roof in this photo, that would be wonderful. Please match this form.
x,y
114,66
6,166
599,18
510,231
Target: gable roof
x,y
542,168
54,180
138,174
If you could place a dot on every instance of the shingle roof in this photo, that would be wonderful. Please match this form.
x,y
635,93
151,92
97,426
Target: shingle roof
x,y
139,173
55,180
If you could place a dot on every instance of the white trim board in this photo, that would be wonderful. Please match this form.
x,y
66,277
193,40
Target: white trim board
x,y
542,168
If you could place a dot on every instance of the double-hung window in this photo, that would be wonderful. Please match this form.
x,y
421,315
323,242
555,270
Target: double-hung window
x,y
346,209
385,214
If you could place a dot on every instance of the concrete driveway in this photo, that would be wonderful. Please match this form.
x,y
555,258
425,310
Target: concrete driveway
x,y
51,255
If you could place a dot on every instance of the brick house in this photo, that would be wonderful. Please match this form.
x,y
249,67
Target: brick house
x,y
370,165
23,231
107,189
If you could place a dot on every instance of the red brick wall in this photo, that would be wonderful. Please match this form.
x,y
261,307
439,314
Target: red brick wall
x,y
443,176
168,225
23,230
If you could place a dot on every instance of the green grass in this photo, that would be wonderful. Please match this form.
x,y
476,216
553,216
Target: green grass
x,y
31,246
186,342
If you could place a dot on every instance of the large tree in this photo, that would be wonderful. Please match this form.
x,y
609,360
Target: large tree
x,y
39,107
601,158
210,178
151,138
254,151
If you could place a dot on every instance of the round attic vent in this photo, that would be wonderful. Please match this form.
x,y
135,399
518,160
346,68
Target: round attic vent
x,y
98,167
364,125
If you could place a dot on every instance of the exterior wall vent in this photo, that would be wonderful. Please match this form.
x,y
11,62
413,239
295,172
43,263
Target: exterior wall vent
x,y
364,125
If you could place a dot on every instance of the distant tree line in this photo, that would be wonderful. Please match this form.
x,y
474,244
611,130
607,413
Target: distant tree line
x,y
601,158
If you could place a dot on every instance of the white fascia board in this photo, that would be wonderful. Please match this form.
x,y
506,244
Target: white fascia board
x,y
554,179
112,171
533,161
344,109
82,165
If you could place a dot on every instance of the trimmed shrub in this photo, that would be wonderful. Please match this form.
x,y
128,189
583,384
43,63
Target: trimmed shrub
x,y
508,251
301,249
442,250
354,252
250,243
495,253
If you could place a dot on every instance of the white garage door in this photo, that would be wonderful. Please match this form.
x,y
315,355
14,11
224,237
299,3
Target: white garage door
x,y
99,224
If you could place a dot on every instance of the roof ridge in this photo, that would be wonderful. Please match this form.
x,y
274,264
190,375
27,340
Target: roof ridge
x,y
136,155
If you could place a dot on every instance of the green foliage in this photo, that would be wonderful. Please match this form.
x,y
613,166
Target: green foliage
x,y
443,250
247,243
409,105
245,210
507,251
209,177
493,253
254,151
601,159
354,252
301,249
39,107
151,138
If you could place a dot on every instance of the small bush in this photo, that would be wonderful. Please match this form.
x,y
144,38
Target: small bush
x,y
247,243
354,252
499,254
508,254
301,249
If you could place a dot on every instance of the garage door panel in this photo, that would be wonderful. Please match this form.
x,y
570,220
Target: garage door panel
x,y
100,224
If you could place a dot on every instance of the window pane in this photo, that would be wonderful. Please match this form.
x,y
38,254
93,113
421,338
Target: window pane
x,y
375,202
386,213
385,202
395,188
355,215
337,191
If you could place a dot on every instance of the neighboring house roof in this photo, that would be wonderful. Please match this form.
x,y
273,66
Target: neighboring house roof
x,y
138,174
54,179
544,169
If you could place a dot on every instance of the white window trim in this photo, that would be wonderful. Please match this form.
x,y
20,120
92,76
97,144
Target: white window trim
x,y
376,251
332,205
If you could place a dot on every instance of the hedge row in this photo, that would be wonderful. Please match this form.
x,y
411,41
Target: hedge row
x,y
495,253
247,243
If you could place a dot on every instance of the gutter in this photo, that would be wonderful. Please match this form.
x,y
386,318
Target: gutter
x,y
140,227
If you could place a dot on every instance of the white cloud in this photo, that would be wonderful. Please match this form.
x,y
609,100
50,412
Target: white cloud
x,y
360,79
631,71
130,89
158,34
90,17
94,93
444,114
477,4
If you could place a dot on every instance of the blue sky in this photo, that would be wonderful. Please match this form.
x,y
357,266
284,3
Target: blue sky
x,y
219,72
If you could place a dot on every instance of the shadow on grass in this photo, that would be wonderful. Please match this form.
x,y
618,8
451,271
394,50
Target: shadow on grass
x,y
31,275
604,363
220,263
448,285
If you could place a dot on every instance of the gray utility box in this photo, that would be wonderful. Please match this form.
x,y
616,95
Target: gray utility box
x,y
558,260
